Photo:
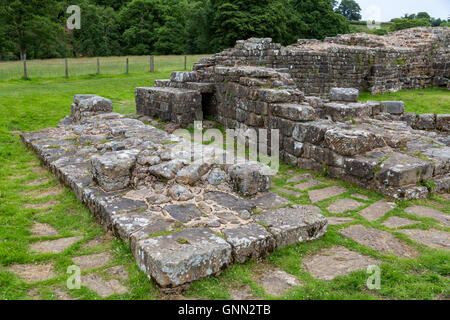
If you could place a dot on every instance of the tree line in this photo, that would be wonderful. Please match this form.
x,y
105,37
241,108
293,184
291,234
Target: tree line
x,y
37,29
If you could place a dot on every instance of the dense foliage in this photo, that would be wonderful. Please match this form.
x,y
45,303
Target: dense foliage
x,y
37,28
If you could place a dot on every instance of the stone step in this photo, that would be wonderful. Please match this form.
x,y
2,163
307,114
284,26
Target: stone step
x,y
179,105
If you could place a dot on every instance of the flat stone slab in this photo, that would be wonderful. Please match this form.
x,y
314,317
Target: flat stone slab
x,y
380,240
56,191
308,184
295,224
183,212
229,201
428,212
270,200
330,263
276,282
175,259
344,205
43,230
249,241
290,192
322,194
432,238
300,178
54,246
398,222
104,288
361,196
33,272
241,294
93,260
98,241
377,210
334,221
41,206
37,182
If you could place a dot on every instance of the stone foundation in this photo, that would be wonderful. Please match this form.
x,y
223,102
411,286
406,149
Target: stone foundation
x,y
372,144
406,59
184,220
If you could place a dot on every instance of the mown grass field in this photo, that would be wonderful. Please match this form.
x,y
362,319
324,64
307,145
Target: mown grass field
x,y
53,68
430,100
37,104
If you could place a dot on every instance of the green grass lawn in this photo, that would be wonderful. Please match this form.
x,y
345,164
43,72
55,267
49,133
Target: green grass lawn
x,y
37,104
430,100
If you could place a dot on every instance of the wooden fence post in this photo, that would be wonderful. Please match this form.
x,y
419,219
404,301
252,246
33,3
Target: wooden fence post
x,y
127,66
67,68
25,71
185,62
152,64
98,66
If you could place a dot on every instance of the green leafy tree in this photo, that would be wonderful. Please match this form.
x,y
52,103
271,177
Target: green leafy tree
x,y
99,34
199,16
423,15
139,20
314,19
172,35
30,25
400,24
242,19
350,9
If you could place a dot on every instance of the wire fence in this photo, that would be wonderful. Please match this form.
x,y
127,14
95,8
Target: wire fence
x,y
54,68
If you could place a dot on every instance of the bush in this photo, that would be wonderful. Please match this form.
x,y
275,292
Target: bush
x,y
400,24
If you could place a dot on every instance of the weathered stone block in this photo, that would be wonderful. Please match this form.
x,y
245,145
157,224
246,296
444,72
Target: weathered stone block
x,y
393,107
401,170
112,171
426,121
292,225
192,173
443,122
351,142
312,132
344,94
294,112
341,112
184,76
179,258
249,241
250,178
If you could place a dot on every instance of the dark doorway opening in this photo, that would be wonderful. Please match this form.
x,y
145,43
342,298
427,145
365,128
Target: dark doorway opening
x,y
209,105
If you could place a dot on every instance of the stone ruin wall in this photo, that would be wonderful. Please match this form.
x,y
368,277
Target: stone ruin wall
x,y
345,138
407,59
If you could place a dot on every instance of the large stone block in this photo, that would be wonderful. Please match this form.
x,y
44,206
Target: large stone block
x,y
402,170
293,225
249,241
426,121
351,142
112,171
179,258
343,112
250,178
85,105
393,107
184,76
344,94
443,122
294,112
311,132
